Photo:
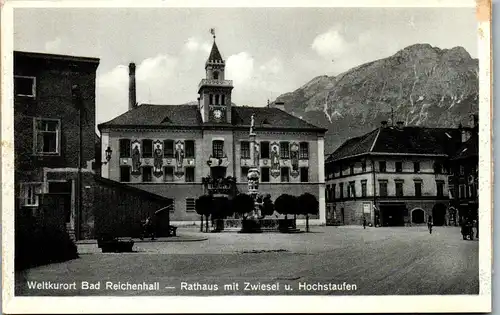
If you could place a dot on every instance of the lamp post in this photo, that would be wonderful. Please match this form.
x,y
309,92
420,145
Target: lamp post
x,y
78,102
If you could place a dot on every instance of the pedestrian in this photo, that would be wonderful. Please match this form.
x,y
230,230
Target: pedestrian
x,y
364,223
429,224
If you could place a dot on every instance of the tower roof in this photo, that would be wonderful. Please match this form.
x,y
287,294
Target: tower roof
x,y
215,54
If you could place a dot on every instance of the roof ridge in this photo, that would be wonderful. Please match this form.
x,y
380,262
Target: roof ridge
x,y
375,140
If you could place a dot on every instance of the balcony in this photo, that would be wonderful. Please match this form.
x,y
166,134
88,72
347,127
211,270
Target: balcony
x,y
213,82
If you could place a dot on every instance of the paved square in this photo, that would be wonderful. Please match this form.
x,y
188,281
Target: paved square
x,y
330,260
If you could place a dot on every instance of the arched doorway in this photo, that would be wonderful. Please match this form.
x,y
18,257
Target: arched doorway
x,y
417,216
438,214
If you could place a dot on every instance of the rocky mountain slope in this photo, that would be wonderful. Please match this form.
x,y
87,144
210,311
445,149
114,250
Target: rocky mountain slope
x,y
423,85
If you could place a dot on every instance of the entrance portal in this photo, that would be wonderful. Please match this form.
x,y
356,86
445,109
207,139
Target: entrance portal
x,y
418,216
438,214
218,172
393,215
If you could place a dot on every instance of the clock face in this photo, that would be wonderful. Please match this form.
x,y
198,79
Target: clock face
x,y
217,114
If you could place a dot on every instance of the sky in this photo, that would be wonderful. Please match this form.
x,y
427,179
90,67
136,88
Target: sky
x,y
268,51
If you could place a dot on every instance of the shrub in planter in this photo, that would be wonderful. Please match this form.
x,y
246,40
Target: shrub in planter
x,y
203,207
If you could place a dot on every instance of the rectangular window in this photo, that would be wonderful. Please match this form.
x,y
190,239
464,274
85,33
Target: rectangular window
x,y
264,150
341,190
416,167
218,149
399,189
351,190
264,174
363,188
418,188
29,194
351,169
452,192
334,193
25,86
399,167
285,174
284,150
190,205
439,188
168,174
189,146
438,168
147,174
46,136
304,174
363,166
462,170
461,191
125,148
245,149
168,148
382,166
244,173
304,150
124,173
383,188
189,174
147,148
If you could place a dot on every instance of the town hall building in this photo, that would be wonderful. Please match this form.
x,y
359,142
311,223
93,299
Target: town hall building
x,y
171,150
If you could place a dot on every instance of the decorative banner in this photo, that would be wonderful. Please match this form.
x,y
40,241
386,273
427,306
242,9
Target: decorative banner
x,y
158,158
215,162
294,154
136,157
179,158
275,159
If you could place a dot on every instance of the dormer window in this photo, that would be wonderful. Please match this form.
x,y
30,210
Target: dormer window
x,y
216,75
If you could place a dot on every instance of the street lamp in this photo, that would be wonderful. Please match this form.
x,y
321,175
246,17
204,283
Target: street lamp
x,y
108,155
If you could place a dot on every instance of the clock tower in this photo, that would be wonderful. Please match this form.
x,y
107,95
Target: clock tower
x,y
214,92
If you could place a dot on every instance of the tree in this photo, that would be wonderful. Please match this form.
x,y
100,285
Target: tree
x,y
243,204
221,208
267,206
308,204
285,204
203,208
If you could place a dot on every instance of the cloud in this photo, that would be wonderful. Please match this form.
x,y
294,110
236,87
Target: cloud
x,y
53,46
240,68
330,44
192,44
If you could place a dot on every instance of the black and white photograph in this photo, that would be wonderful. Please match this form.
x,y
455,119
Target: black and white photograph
x,y
216,156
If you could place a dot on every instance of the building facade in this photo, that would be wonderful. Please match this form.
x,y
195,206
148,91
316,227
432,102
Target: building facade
x,y
392,176
172,149
464,173
47,127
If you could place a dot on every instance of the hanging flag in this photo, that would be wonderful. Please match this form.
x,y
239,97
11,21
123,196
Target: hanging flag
x,y
212,31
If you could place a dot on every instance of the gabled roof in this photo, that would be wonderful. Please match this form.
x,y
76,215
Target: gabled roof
x,y
164,116
215,54
407,140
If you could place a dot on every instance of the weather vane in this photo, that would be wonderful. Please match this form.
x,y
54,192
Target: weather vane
x,y
212,31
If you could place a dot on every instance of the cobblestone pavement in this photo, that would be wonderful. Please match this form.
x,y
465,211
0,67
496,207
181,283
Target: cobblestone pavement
x,y
329,260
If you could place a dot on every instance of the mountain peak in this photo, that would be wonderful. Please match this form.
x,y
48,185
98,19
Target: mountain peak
x,y
422,84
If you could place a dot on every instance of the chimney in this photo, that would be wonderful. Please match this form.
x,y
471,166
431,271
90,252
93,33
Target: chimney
x,y
132,102
383,123
279,105
400,124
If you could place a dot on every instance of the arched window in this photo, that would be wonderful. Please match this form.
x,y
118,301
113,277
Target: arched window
x,y
210,99
223,99
216,99
216,75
